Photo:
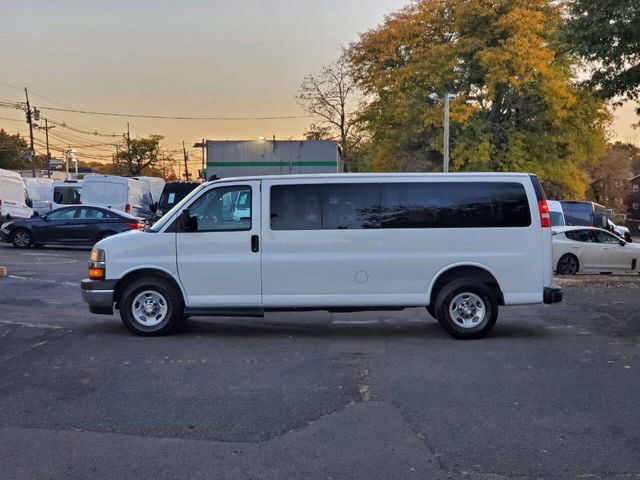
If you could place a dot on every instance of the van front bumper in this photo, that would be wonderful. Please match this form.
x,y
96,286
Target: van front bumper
x,y
552,295
99,295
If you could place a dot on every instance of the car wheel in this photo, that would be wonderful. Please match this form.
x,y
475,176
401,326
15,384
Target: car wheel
x,y
22,238
150,307
568,265
104,235
467,309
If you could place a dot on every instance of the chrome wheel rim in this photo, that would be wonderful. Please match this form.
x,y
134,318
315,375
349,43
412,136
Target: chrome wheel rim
x,y
467,310
22,239
149,308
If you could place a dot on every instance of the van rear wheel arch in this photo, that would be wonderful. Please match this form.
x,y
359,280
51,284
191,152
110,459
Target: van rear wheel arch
x,y
465,272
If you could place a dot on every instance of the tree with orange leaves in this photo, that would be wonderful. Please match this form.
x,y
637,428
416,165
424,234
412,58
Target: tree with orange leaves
x,y
518,105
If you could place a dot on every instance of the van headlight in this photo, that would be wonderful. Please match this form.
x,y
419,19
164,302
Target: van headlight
x,y
97,264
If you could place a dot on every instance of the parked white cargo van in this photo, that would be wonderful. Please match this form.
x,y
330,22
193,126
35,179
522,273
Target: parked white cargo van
x,y
458,244
556,213
156,185
66,192
41,193
14,198
126,194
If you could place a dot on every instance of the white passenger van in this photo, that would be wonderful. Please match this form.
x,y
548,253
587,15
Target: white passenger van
x,y
458,244
14,198
40,192
127,194
66,192
156,185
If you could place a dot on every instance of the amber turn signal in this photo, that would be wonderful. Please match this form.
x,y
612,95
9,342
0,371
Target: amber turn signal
x,y
96,273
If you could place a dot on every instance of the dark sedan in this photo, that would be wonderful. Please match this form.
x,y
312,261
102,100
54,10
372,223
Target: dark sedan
x,y
77,225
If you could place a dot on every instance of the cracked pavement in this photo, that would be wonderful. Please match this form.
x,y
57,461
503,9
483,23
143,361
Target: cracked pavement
x,y
552,393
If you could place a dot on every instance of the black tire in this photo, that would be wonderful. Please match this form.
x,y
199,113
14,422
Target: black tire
x,y
568,265
104,235
160,294
22,238
468,299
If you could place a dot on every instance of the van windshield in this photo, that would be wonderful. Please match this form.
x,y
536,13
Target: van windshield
x,y
156,227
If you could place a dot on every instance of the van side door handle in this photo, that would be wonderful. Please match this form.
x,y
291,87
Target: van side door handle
x,y
255,243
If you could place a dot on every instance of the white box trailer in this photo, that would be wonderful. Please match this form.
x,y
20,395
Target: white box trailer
x,y
241,158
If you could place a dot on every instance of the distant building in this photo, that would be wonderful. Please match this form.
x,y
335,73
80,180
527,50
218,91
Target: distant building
x,y
238,158
612,193
633,206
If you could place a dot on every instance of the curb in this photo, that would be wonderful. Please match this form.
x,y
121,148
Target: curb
x,y
3,272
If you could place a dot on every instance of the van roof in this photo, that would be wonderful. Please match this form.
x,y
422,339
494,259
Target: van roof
x,y
376,175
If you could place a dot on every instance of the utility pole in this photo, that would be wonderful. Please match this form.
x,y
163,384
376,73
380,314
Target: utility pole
x,y
186,158
30,122
46,129
204,163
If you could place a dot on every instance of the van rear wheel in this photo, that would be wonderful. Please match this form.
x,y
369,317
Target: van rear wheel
x,y
466,309
151,307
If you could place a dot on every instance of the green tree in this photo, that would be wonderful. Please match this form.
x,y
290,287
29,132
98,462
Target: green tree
x,y
518,107
141,154
13,151
605,34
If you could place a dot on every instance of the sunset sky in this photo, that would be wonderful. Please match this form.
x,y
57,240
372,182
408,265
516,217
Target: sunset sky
x,y
190,58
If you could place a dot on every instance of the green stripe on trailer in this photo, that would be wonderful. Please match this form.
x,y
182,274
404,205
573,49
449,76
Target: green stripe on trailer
x,y
272,164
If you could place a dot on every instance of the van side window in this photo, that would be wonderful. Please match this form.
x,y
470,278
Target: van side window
x,y
328,207
296,207
454,205
223,209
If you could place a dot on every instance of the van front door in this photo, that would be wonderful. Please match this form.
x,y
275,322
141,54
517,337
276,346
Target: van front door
x,y
219,259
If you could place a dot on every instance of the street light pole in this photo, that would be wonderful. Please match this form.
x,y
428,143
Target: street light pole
x,y
445,167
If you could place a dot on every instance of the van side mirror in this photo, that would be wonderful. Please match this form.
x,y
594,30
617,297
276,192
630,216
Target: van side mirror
x,y
154,207
29,203
187,222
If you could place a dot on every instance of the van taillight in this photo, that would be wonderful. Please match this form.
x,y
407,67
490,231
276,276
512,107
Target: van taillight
x,y
545,218
127,208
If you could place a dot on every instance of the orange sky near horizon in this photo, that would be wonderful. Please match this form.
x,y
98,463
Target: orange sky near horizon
x,y
210,58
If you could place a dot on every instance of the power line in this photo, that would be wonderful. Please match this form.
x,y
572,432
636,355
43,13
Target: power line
x,y
172,117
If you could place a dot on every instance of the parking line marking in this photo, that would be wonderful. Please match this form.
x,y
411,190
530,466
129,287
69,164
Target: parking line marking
x,y
33,325
67,284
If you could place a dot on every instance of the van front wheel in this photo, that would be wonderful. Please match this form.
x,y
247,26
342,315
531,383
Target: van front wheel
x,y
150,307
467,309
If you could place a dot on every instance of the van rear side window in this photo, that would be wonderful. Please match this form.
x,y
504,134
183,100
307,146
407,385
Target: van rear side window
x,y
454,205
399,205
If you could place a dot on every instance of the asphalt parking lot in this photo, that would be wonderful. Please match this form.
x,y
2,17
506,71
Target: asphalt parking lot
x,y
552,393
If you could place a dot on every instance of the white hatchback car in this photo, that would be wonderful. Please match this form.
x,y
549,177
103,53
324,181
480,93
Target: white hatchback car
x,y
592,250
